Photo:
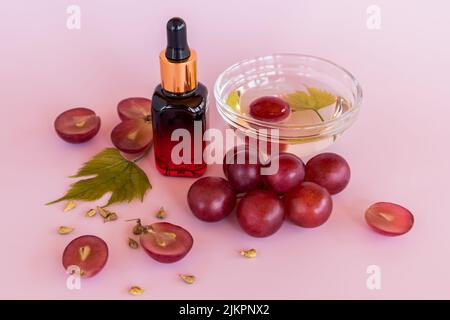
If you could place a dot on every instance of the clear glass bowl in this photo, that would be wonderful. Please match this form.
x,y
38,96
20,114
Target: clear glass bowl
x,y
279,74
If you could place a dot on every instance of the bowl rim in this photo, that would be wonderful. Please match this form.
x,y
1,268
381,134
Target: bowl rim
x,y
270,125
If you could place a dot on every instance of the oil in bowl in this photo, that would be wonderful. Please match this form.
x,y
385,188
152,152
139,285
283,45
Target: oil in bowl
x,y
322,99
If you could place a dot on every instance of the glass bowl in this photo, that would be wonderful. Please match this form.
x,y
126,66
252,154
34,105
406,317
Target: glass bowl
x,y
303,133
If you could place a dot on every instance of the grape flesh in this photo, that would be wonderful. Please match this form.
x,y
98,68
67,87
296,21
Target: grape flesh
x,y
77,125
308,205
132,136
271,109
89,253
389,218
134,108
260,213
291,172
329,170
166,242
211,198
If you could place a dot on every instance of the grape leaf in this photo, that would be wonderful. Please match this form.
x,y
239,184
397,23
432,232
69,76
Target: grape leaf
x,y
312,99
111,173
233,100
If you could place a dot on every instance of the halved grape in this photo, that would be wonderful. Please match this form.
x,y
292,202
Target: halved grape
x,y
132,136
243,170
389,218
211,198
77,125
166,242
329,170
134,108
271,109
308,205
260,213
89,253
290,174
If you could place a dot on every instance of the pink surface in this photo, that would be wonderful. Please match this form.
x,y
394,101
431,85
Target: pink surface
x,y
398,149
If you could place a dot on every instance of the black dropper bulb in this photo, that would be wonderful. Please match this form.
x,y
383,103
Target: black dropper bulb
x,y
177,46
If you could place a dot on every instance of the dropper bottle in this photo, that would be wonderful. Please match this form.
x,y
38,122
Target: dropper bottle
x,y
179,106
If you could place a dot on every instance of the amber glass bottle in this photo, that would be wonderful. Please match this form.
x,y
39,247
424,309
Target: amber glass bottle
x,y
179,102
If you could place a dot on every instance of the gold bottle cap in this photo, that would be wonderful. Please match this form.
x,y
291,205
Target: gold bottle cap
x,y
178,76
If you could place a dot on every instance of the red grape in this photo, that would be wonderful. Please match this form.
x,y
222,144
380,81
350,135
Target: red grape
x,y
389,218
290,174
166,242
308,205
77,125
244,171
329,170
132,136
231,156
269,109
134,108
89,253
241,153
260,213
211,198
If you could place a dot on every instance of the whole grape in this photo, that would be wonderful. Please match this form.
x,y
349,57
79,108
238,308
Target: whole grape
x,y
260,213
290,173
211,198
308,205
243,169
329,170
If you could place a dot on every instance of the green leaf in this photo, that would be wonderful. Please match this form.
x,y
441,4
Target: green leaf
x,y
313,98
111,173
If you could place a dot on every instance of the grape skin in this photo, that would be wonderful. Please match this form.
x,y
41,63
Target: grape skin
x,y
291,172
272,109
329,170
260,213
308,205
211,198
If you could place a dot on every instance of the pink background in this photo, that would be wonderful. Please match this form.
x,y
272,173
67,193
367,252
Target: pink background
x,y
398,149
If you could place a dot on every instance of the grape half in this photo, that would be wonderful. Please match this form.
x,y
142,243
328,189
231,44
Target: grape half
x,y
166,242
308,205
132,136
271,109
389,218
329,170
260,213
134,108
77,125
290,174
89,253
211,198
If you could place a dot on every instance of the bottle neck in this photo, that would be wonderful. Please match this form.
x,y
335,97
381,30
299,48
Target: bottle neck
x,y
178,95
